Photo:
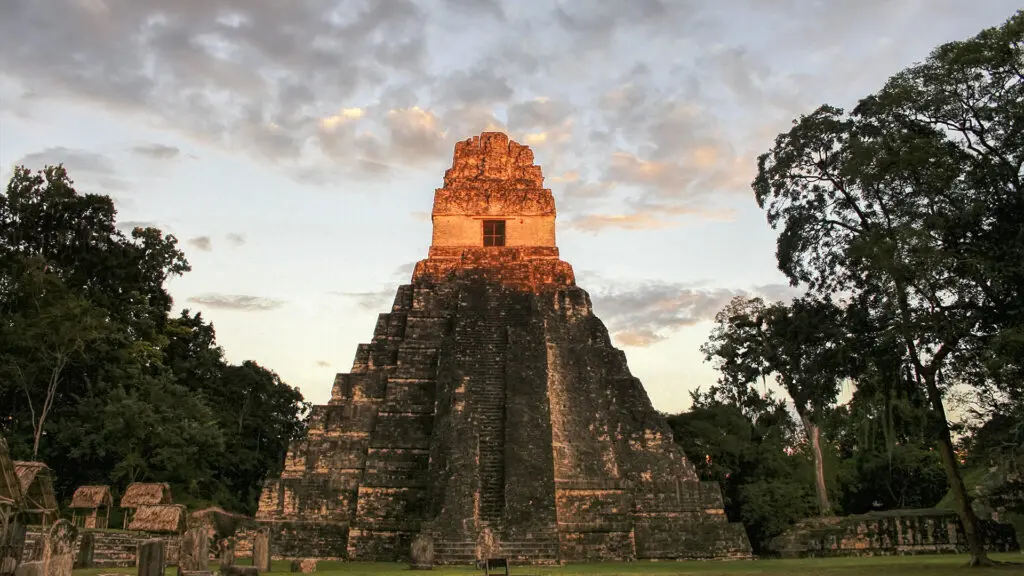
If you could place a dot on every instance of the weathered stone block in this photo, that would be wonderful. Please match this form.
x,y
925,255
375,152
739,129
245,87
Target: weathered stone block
x,y
594,546
382,545
227,552
30,568
304,565
86,550
261,550
325,540
194,551
58,549
152,559
421,552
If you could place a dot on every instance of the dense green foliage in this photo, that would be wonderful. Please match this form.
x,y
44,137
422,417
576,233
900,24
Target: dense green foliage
x,y
99,381
748,444
901,219
802,345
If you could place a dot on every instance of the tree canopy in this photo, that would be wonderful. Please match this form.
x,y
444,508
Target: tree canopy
x,y
908,209
99,380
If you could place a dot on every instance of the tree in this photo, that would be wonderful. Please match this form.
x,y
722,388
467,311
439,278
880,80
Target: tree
x,y
76,235
98,381
911,205
887,458
747,444
48,327
257,413
800,345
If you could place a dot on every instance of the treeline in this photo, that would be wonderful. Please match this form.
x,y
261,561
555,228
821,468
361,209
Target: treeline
x,y
97,378
903,221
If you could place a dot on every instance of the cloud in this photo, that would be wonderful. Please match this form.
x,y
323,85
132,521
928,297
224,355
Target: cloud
x,y
235,239
323,364
241,302
368,90
649,313
95,170
382,299
370,301
473,8
157,151
480,85
201,243
127,226
404,271
636,221
649,217
253,78
343,116
538,113
415,134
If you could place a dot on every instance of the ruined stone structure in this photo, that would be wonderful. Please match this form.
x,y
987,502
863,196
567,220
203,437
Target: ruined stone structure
x,y
893,532
490,410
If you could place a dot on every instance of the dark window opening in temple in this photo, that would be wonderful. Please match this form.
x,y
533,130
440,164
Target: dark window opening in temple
x,y
494,232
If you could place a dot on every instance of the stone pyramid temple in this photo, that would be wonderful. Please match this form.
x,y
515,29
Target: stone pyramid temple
x,y
490,411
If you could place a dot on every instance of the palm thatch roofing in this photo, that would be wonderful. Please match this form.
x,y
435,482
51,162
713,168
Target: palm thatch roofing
x,y
10,488
36,481
146,494
224,524
159,518
92,497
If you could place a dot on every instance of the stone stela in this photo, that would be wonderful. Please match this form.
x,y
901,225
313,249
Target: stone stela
x,y
490,412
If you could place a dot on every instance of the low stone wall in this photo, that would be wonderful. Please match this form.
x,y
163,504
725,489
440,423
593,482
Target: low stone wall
x,y
112,549
899,532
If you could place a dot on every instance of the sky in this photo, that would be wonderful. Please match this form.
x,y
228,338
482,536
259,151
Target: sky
x,y
293,147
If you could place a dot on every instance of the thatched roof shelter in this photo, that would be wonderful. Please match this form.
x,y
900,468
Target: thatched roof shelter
x,y
146,494
10,488
92,497
159,518
91,506
36,481
222,523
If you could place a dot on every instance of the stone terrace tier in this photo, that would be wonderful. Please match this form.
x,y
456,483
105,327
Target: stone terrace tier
x,y
479,408
525,268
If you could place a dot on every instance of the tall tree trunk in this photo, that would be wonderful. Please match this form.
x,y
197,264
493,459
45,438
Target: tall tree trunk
x,y
814,435
961,498
51,392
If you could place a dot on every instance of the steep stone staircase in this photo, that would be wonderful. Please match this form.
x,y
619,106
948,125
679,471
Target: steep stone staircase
x,y
454,553
537,548
488,397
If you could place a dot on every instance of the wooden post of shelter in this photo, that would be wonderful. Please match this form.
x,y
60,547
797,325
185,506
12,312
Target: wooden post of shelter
x,y
12,529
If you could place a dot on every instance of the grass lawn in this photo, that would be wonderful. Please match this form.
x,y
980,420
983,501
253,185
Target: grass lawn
x,y
944,565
